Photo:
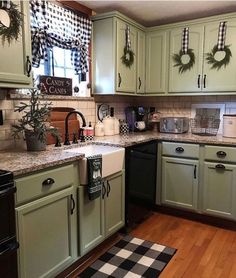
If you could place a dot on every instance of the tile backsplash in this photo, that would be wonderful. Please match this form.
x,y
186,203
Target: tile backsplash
x,y
168,106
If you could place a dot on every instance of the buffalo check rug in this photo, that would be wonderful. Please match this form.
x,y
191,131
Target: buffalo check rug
x,y
131,258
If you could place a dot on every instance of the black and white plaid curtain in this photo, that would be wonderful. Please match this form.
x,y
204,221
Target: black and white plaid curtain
x,y
185,40
221,35
52,25
5,4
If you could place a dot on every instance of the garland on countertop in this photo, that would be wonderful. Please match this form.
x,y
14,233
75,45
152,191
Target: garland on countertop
x,y
128,56
16,20
179,63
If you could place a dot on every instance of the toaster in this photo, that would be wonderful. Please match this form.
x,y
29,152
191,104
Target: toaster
x,y
174,124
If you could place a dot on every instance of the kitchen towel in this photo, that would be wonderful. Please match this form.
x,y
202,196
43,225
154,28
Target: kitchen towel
x,y
94,176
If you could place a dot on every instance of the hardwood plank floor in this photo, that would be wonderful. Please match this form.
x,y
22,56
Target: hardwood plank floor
x,y
203,250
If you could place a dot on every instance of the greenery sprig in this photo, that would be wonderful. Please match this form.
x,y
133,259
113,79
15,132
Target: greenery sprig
x,y
128,57
210,57
16,20
179,63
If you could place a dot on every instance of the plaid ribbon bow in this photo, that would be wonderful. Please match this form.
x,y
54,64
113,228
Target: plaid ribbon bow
x,y
127,36
221,35
185,40
5,4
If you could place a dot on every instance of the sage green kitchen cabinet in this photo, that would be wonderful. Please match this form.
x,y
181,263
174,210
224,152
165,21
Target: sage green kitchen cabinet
x,y
219,190
16,57
114,203
156,62
91,221
223,79
102,217
190,80
180,182
110,75
201,77
141,47
46,235
126,76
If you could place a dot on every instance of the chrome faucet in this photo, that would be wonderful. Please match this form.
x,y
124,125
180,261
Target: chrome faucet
x,y
81,133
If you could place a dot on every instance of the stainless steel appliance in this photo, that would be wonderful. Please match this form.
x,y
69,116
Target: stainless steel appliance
x,y
174,124
8,243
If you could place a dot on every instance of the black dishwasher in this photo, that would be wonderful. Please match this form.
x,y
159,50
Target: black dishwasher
x,y
141,169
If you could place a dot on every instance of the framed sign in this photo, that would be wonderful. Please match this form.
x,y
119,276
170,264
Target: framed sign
x,y
52,85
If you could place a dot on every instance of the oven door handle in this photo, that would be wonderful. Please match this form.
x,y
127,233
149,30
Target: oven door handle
x,y
7,191
11,247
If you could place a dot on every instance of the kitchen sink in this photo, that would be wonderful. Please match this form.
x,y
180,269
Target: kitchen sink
x,y
112,159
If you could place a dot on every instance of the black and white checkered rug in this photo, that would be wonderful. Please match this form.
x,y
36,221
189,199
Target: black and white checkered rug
x,y
131,258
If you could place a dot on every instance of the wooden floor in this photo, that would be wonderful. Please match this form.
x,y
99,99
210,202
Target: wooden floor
x,y
203,250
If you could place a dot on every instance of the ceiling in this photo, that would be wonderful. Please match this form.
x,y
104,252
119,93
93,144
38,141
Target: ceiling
x,y
151,13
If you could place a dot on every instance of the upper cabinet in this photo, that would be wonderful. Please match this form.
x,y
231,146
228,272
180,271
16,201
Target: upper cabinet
x,y
156,62
110,74
202,76
15,66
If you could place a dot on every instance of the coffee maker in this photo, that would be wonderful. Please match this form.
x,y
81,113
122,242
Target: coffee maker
x,y
135,114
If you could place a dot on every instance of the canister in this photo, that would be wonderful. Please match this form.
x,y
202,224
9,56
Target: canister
x,y
229,125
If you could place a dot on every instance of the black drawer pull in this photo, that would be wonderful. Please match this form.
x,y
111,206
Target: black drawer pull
x,y
48,181
198,80
220,167
28,66
221,154
103,190
179,150
108,188
72,204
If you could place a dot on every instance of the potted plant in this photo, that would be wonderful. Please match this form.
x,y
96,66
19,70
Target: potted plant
x,y
33,122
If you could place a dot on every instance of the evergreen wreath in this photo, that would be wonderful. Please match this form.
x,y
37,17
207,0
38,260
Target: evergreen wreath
x,y
16,20
179,63
128,57
218,64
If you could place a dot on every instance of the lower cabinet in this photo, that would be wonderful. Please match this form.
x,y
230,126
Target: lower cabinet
x,y
180,182
219,190
103,216
46,235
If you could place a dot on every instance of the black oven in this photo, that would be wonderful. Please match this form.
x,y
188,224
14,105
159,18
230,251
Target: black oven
x,y
8,243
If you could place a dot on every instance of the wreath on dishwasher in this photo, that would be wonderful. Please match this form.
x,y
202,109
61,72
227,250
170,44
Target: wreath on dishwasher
x,y
11,20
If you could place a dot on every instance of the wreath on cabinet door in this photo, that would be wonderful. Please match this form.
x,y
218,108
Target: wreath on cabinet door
x,y
184,64
11,20
128,54
218,64
219,49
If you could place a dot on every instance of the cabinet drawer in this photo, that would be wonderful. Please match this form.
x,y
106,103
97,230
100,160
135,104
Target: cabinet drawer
x,y
43,183
180,149
220,153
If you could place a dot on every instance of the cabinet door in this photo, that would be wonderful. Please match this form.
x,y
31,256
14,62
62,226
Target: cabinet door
x,y
125,76
156,62
114,204
223,79
190,80
140,62
180,182
219,190
46,230
15,56
91,221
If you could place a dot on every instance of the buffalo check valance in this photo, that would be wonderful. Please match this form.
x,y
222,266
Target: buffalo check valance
x,y
53,25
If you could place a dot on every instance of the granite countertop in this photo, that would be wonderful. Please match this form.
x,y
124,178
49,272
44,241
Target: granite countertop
x,y
22,162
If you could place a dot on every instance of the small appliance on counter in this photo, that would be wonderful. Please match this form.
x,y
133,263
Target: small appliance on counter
x,y
229,125
136,114
174,124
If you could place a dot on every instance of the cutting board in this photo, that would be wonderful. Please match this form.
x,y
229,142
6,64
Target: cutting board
x,y
57,119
